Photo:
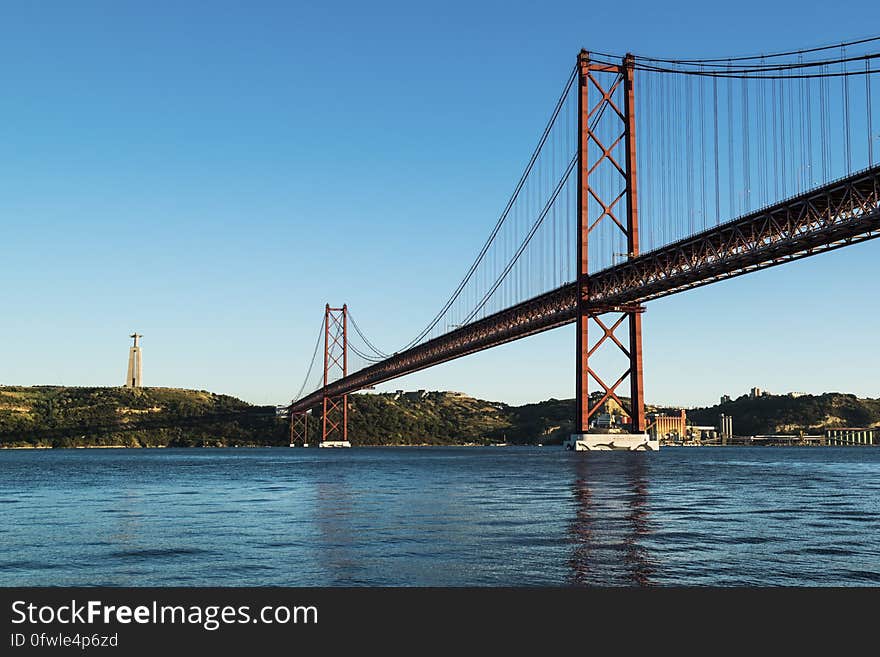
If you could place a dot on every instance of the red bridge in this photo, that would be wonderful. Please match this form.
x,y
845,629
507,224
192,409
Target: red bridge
x,y
769,127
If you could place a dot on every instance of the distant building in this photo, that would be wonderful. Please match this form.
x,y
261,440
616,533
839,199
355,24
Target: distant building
x,y
668,426
696,432
852,436
725,399
797,394
134,378
755,392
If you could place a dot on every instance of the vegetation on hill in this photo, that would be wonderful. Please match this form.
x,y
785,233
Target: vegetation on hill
x,y
784,414
52,416
432,418
452,418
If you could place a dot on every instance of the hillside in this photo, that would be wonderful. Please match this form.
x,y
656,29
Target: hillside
x,y
52,416
452,418
143,417
435,418
812,414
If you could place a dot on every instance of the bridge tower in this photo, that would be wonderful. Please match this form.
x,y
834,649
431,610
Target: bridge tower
x,y
334,410
299,429
605,93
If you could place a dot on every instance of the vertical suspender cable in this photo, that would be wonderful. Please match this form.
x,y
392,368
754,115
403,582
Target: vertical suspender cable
x,y
747,177
776,168
845,84
808,97
783,119
731,189
717,168
804,162
702,152
870,118
691,209
823,131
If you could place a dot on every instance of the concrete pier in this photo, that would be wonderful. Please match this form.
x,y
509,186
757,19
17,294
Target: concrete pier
x,y
591,442
334,443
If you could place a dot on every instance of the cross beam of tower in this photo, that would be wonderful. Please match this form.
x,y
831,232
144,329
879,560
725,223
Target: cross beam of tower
x,y
601,88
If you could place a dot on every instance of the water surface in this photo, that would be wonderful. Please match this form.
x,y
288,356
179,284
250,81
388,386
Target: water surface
x,y
440,516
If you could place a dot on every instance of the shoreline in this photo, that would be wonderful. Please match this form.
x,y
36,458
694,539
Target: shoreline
x,y
409,445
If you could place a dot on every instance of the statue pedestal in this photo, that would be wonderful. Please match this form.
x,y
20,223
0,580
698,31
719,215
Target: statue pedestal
x,y
631,442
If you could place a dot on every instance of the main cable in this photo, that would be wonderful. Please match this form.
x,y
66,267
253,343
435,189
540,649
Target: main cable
x,y
312,364
357,329
789,53
572,77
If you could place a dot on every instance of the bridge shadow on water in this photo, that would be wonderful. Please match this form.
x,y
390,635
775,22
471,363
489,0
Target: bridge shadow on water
x,y
611,520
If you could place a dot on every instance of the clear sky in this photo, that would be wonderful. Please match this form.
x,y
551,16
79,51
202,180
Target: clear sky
x,y
211,173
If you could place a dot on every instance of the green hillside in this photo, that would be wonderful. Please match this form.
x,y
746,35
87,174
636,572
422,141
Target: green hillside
x,y
51,416
433,418
452,418
143,417
782,414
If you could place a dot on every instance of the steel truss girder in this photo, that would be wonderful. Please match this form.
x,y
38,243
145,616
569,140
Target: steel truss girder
x,y
841,213
838,214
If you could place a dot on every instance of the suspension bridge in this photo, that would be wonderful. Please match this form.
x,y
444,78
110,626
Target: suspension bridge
x,y
652,176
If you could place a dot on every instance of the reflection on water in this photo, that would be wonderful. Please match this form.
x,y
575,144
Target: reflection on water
x,y
334,518
611,520
636,552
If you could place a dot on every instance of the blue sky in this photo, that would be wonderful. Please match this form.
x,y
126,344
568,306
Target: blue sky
x,y
210,174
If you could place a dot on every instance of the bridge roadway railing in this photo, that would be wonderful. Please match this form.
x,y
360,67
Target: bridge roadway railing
x,y
840,213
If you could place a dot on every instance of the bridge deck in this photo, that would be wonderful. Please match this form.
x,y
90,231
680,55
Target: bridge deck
x,y
840,213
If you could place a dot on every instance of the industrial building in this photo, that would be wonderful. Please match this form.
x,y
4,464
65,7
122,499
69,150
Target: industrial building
x,y
669,427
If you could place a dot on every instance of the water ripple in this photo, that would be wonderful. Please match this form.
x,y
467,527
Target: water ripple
x,y
441,517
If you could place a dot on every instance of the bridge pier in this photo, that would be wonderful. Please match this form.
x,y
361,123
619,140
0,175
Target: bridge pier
x,y
597,442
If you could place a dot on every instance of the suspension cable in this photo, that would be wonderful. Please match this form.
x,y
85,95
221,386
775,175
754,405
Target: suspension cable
x,y
572,77
789,53
369,344
312,364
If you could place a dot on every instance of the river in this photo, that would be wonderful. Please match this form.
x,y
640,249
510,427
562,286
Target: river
x,y
493,516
